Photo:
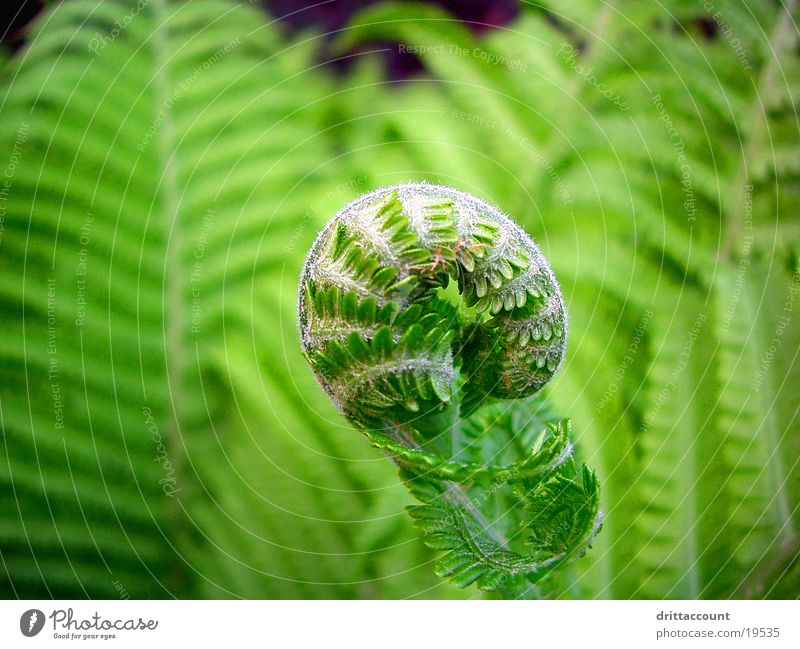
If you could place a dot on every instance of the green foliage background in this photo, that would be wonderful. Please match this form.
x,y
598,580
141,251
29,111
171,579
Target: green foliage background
x,y
670,217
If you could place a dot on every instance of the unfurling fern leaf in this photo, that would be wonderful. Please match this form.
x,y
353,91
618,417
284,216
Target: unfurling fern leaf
x,y
424,377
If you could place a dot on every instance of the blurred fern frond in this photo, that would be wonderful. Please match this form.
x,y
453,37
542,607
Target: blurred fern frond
x,y
167,177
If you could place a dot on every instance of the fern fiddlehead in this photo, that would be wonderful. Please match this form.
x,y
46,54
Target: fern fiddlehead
x,y
446,383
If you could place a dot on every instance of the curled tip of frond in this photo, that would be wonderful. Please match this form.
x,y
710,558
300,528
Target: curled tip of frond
x,y
412,367
393,248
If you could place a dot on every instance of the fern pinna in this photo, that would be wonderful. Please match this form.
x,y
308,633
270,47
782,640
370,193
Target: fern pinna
x,y
447,386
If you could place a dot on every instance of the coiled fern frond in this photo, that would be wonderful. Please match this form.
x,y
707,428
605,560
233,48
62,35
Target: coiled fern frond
x,y
423,373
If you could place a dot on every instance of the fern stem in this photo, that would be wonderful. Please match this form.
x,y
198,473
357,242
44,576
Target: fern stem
x,y
533,174
175,278
775,51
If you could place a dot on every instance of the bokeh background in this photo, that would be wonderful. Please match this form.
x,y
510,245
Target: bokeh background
x,y
165,166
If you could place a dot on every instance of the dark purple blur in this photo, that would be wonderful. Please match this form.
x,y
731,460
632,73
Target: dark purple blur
x,y
327,16
17,15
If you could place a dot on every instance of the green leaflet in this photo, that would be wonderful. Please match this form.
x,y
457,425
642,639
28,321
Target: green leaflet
x,y
560,513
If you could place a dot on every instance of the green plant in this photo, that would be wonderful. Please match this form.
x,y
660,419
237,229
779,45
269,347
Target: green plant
x,y
415,372
677,257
